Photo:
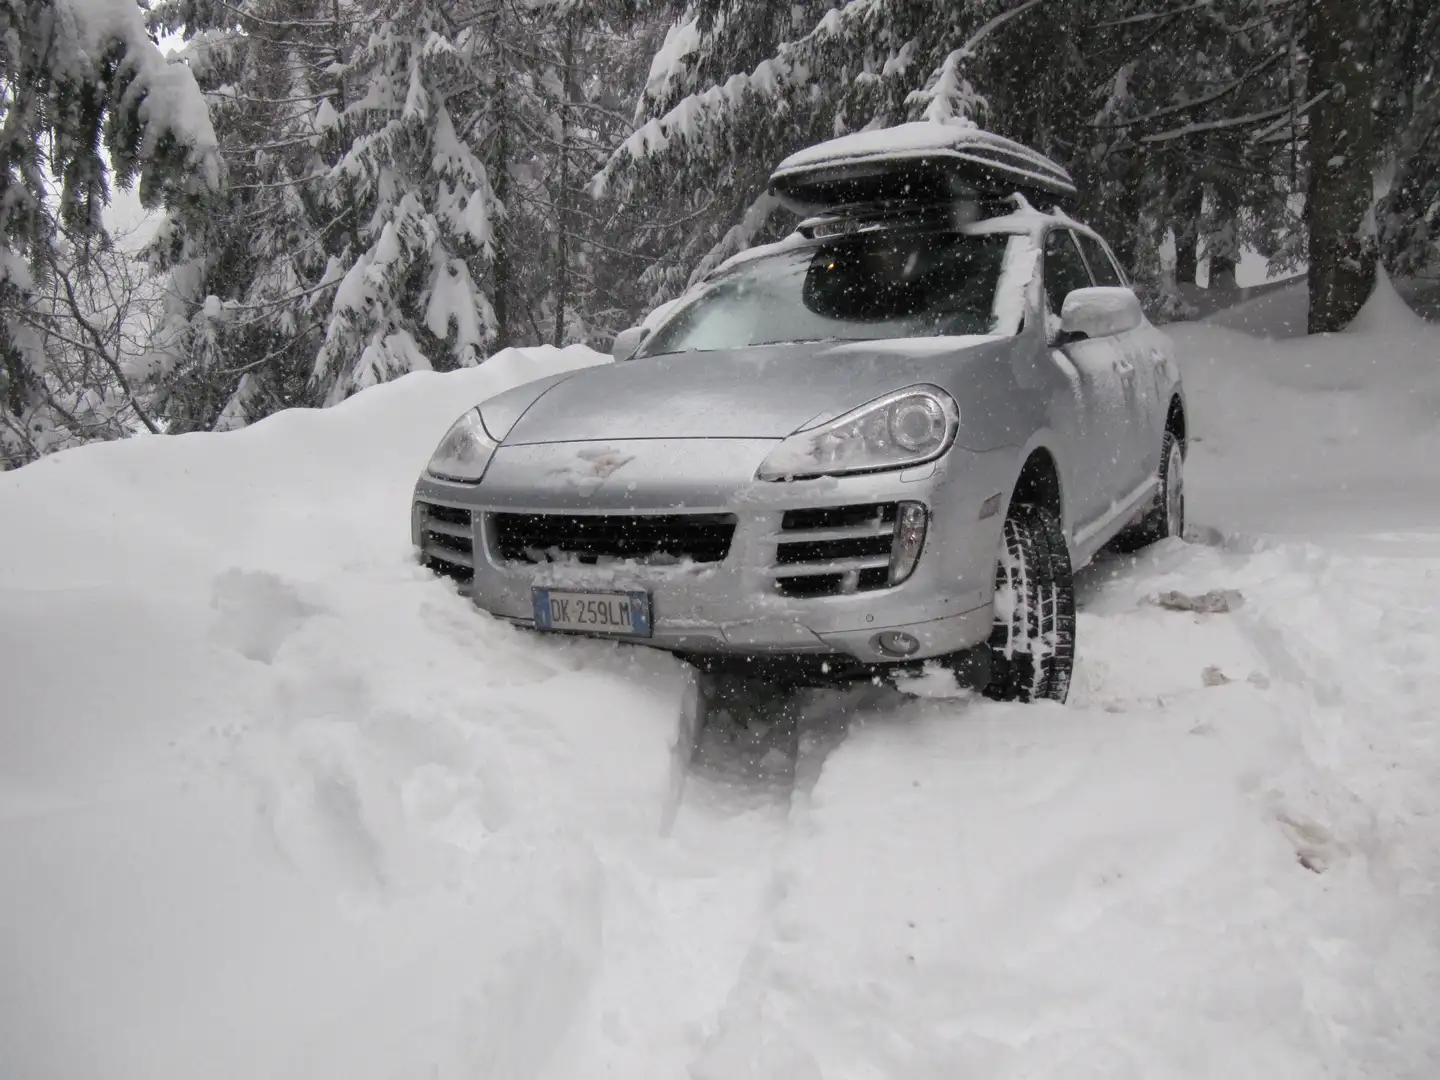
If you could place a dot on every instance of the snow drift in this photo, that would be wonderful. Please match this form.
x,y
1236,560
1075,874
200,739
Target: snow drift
x,y
1331,432
274,802
265,784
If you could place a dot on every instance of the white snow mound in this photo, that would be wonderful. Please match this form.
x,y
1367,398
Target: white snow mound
x,y
274,802
1334,432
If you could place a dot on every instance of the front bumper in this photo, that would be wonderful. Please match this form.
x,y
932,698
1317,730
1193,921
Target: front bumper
x,y
734,606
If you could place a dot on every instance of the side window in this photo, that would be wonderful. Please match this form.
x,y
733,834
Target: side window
x,y
1102,266
1064,269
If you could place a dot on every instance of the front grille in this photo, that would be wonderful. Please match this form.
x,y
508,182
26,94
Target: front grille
x,y
447,540
833,550
588,538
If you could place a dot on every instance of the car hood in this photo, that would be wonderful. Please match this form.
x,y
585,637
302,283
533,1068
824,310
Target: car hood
x,y
764,392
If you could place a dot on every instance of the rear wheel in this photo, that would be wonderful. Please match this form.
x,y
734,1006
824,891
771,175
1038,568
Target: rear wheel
x,y
1166,515
1032,644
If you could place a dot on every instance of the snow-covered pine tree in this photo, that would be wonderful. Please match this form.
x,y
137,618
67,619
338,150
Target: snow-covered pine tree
x,y
431,134
1407,63
1128,94
76,75
1205,81
580,69
358,239
724,100
407,191
247,270
471,122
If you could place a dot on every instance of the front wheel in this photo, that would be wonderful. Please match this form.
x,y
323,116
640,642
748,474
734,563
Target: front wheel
x,y
1032,644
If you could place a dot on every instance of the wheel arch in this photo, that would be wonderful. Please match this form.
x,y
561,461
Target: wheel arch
x,y
1038,481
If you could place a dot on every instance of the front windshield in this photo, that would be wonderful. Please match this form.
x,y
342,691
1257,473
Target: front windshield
x,y
854,288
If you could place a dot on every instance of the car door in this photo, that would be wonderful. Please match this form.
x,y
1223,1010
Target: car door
x,y
1093,415
1139,374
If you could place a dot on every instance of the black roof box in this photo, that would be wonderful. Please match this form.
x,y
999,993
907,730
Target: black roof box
x,y
924,162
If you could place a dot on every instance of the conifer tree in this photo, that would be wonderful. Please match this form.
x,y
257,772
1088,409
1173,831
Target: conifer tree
x,y
76,78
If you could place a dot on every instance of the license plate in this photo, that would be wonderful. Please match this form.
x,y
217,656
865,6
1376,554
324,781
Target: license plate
x,y
624,614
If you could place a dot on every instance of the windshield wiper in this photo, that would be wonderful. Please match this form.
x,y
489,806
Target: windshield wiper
x,y
797,341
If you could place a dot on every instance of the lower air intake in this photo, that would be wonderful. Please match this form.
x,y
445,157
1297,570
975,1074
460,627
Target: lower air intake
x,y
447,540
834,550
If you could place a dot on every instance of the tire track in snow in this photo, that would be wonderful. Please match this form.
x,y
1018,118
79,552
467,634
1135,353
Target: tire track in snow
x,y
1355,786
687,908
741,777
1114,888
1366,666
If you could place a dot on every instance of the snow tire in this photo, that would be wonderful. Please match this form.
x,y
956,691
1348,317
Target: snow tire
x,y
1032,644
1166,515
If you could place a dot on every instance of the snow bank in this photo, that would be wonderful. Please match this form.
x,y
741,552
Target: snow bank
x,y
1161,879
307,490
1329,432
274,801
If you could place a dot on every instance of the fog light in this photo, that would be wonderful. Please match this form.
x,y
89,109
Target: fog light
x,y
911,519
896,643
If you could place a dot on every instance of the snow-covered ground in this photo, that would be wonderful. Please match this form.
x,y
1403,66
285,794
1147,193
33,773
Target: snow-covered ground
x,y
276,803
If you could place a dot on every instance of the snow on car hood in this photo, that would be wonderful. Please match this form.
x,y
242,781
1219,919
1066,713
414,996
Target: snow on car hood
x,y
756,393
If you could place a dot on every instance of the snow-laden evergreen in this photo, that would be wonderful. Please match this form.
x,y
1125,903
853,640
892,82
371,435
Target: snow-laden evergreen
x,y
1183,124
243,269
83,89
1408,75
383,186
408,194
428,212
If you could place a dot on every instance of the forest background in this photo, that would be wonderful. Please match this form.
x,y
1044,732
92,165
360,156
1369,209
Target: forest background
x,y
344,191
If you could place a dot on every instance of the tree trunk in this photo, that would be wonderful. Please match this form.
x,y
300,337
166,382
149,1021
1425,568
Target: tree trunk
x,y
1222,244
564,223
500,184
342,103
1342,258
1187,236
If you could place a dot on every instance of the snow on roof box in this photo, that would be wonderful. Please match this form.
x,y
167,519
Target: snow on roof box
x,y
918,162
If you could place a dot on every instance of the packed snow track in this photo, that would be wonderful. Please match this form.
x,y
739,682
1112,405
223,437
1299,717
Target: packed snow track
x,y
275,802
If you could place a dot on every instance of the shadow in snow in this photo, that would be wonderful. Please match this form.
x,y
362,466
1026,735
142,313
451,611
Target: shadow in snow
x,y
752,743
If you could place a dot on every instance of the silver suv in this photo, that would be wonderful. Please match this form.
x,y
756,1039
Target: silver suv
x,y
876,448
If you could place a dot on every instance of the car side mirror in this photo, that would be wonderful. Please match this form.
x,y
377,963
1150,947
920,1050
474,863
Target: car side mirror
x,y
628,342
1099,311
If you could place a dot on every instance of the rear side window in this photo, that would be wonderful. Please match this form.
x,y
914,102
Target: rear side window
x,y
1064,268
1102,266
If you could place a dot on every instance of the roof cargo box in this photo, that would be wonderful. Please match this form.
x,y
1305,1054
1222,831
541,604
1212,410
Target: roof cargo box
x,y
923,162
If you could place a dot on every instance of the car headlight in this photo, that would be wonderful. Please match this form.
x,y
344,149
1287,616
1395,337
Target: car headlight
x,y
908,427
464,453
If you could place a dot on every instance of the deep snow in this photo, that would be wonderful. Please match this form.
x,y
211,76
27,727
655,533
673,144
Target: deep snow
x,y
1338,432
276,803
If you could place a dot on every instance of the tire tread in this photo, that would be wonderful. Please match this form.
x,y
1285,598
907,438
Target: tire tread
x,y
1036,548
1155,525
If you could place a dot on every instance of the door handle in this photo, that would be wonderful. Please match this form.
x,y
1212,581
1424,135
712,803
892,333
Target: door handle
x,y
1125,367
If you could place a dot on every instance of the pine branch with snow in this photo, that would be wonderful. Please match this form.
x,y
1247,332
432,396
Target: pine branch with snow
x,y
84,88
